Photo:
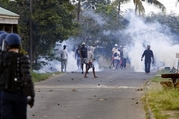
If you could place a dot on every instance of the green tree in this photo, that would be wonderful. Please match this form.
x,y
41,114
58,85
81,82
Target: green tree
x,y
53,21
85,4
20,7
139,8
117,3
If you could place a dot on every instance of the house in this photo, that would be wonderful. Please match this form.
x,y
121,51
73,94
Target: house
x,y
8,20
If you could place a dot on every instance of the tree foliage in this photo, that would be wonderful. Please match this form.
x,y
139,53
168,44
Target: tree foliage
x,y
53,20
139,8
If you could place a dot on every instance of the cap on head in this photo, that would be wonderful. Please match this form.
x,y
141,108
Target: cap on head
x,y
2,37
115,45
13,40
83,43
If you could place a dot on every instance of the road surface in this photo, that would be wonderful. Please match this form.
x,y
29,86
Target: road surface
x,y
115,94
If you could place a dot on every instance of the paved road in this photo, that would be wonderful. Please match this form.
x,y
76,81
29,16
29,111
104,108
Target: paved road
x,y
113,95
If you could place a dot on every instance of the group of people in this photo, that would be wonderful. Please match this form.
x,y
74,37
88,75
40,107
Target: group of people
x,y
119,57
16,85
85,56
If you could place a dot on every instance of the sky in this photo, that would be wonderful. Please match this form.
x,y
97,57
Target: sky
x,y
169,4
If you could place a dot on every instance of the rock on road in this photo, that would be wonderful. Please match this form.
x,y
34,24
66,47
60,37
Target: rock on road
x,y
115,94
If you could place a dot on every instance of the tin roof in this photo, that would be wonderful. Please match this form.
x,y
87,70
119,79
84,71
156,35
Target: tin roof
x,y
7,12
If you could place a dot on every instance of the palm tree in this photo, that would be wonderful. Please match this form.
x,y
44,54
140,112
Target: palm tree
x,y
176,3
139,7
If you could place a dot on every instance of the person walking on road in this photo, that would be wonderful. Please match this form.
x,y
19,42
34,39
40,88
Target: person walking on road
x,y
125,56
64,58
90,64
84,56
117,59
148,54
114,50
78,57
16,80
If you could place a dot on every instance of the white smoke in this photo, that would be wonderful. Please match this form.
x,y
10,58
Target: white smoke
x,y
154,34
55,65
91,14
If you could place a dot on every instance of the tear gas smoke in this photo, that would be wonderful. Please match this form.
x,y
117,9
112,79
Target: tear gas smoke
x,y
55,65
91,14
162,41
158,36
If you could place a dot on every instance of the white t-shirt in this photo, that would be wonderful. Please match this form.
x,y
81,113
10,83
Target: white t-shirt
x,y
64,54
114,49
125,55
90,56
118,55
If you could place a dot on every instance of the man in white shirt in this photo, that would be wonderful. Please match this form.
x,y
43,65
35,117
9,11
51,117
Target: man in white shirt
x,y
90,60
114,50
64,58
117,59
125,56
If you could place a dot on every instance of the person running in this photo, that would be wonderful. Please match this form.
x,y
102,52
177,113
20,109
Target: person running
x,y
64,58
78,57
83,54
90,63
148,54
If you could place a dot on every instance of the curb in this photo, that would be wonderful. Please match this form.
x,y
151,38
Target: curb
x,y
149,112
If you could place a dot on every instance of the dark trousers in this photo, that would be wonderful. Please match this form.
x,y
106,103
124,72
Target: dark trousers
x,y
13,105
124,62
147,67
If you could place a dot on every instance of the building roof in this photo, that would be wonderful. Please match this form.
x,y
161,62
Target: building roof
x,y
8,17
7,12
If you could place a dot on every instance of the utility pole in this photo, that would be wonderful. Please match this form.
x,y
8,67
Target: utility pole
x,y
31,56
78,10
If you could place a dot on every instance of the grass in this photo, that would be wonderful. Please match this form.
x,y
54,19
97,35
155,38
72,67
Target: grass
x,y
37,77
164,103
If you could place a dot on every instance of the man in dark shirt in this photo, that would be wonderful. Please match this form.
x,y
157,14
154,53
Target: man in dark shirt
x,y
83,54
78,57
148,56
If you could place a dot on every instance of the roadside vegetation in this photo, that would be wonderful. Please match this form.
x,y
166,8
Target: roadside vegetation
x,y
37,77
161,99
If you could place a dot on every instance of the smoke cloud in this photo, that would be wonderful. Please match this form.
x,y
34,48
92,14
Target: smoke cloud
x,y
158,36
139,34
